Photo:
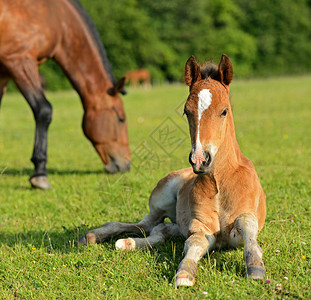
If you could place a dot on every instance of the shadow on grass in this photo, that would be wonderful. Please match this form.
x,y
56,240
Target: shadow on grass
x,y
29,172
168,254
66,240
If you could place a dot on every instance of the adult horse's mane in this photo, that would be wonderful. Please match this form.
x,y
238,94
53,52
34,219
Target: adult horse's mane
x,y
96,38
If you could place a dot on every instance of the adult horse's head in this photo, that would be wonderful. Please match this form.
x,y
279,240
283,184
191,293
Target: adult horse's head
x,y
208,110
104,124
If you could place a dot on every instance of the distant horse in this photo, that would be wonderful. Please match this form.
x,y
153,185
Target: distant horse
x,y
219,202
32,31
138,76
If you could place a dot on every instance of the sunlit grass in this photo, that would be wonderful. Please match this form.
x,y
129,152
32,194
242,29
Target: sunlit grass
x,y
39,229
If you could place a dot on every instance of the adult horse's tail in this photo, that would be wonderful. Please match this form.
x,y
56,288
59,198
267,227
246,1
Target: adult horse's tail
x,y
3,84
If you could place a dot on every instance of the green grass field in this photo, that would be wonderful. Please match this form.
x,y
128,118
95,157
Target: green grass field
x,y
39,258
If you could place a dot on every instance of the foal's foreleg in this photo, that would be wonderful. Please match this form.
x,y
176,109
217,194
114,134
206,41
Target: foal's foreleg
x,y
196,246
247,226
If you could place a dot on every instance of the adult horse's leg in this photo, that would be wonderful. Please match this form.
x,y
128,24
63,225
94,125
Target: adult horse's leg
x,y
147,81
135,81
247,226
25,74
3,83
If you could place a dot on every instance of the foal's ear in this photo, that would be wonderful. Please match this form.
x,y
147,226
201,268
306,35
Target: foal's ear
x,y
118,88
225,70
192,71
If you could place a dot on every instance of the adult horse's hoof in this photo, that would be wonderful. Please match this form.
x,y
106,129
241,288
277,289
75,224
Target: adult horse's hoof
x,y
255,272
40,182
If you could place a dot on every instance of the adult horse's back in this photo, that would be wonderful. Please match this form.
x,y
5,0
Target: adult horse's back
x,y
134,77
32,31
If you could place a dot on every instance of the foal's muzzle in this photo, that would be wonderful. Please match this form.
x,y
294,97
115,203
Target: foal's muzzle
x,y
205,166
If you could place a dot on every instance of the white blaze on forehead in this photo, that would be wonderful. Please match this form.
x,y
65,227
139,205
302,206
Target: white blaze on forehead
x,y
205,100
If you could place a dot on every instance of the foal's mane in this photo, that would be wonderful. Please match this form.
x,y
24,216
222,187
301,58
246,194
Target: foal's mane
x,y
92,28
209,69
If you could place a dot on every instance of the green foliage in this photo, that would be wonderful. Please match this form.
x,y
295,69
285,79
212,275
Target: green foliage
x,y
224,35
261,37
51,73
282,30
39,258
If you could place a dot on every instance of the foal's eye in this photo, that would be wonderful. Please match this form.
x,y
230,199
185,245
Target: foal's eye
x,y
121,120
224,113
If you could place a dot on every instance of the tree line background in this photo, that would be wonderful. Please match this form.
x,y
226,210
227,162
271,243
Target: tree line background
x,y
262,37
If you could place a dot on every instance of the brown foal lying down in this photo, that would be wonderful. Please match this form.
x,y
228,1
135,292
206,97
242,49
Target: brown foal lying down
x,y
217,203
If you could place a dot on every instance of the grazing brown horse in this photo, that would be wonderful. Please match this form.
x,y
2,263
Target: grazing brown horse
x,y
32,31
136,76
219,202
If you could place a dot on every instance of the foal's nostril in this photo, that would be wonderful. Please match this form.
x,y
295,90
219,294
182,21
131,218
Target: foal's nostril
x,y
203,163
190,158
207,160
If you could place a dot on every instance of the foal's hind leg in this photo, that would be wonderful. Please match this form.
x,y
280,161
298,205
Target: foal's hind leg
x,y
157,235
116,228
247,227
24,71
162,203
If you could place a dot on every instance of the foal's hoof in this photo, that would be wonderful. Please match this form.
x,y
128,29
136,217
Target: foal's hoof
x,y
184,279
255,272
82,241
125,244
40,182
89,238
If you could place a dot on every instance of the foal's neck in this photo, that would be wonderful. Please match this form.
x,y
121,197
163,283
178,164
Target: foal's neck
x,y
228,156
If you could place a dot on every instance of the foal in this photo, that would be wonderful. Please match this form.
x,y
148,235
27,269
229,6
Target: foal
x,y
219,202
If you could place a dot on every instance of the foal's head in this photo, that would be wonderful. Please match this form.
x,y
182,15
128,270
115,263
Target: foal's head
x,y
207,109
